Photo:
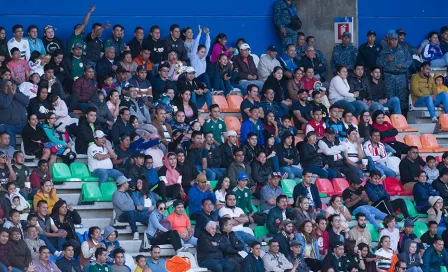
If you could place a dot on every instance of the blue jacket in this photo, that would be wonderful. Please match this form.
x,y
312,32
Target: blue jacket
x,y
376,192
274,107
315,245
253,265
422,192
154,223
431,52
37,45
139,199
153,176
432,261
248,126
300,189
195,197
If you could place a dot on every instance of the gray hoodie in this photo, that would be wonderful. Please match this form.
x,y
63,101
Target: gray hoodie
x,y
34,245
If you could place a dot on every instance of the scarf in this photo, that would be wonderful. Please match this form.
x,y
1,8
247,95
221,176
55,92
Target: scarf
x,y
172,176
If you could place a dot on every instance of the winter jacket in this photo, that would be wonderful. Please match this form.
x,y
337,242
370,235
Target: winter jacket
x,y
226,152
84,135
422,86
107,232
277,87
20,254
193,85
310,157
72,218
243,69
199,64
249,126
53,136
252,264
288,153
260,172
158,87
441,187
178,46
387,132
103,113
30,136
137,173
39,108
432,260
120,128
93,48
301,190
340,90
66,265
376,192
119,46
232,245
316,63
274,214
250,152
104,67
422,192
84,88
13,108
378,90
234,169
431,52
360,85
159,51
53,45
406,257
67,64
205,248
136,46
214,159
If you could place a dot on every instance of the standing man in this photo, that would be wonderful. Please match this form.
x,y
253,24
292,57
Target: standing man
x,y
395,61
173,42
93,45
116,41
215,125
368,52
286,22
138,42
344,54
19,42
76,36
34,42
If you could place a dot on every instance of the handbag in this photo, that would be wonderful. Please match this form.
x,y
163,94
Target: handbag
x,y
296,23
166,224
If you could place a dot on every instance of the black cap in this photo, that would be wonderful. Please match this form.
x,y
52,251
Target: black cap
x,y
443,29
272,48
338,244
141,68
329,130
371,32
354,179
401,32
138,154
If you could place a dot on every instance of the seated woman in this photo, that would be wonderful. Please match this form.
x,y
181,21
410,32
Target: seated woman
x,y
352,257
274,82
261,170
40,105
385,255
302,211
89,247
335,207
18,250
422,191
184,104
222,189
54,138
310,247
340,95
144,200
111,241
29,88
368,257
65,218
169,173
336,232
270,126
48,193
388,133
411,257
432,52
221,74
437,213
113,103
295,84
63,120
127,63
157,232
33,138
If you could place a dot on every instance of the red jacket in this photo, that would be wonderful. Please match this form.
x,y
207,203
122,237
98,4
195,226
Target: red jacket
x,y
318,128
387,132
84,88
37,177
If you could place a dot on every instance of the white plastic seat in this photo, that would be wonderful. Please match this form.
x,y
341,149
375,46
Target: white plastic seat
x,y
256,59
194,264
27,157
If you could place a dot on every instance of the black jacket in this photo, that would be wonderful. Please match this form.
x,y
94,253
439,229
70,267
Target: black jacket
x,y
214,159
305,61
104,68
84,135
67,64
367,55
119,128
56,88
310,157
283,243
180,106
378,90
178,46
38,107
276,86
135,173
361,85
250,152
232,245
201,221
260,173
206,250
300,189
288,153
226,152
159,51
103,113
442,188
30,136
189,173
243,69
68,265
137,46
193,85
93,48
72,218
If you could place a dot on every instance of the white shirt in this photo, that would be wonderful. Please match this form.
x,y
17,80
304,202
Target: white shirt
x,y
23,46
220,196
236,212
94,164
394,237
352,150
157,156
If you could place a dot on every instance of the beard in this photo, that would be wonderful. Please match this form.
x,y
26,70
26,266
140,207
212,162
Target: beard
x,y
362,226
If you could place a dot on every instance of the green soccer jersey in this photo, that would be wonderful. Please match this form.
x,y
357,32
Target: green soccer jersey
x,y
217,128
243,199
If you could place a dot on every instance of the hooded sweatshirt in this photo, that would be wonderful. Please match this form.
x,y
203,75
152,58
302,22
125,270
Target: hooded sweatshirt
x,y
103,113
440,88
39,107
53,44
159,51
50,200
178,46
288,153
108,231
13,110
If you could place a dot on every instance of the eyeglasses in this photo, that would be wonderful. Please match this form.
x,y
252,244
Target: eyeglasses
x,y
161,208
403,268
366,115
165,70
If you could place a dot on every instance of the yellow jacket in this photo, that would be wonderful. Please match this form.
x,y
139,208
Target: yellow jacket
x,y
422,86
50,200
440,88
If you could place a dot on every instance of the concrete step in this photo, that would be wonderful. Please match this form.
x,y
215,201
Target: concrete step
x,y
68,187
98,209
72,199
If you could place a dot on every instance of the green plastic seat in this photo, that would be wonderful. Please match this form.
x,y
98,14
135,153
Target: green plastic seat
x,y
261,231
192,222
412,210
373,232
213,183
288,186
80,170
61,173
170,209
90,192
254,208
443,269
107,191
420,228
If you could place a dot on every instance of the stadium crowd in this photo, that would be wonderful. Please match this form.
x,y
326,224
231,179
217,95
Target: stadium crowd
x,y
133,110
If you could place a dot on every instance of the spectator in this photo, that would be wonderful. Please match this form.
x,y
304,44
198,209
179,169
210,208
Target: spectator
x,y
163,128
424,91
344,54
215,125
197,55
295,84
39,175
334,259
247,71
181,223
440,185
83,88
214,161
377,151
290,63
267,63
13,111
188,171
99,264
103,116
309,80
277,214
309,189
14,221
433,53
200,190
410,168
84,135
156,46
430,169
322,235
369,51
242,194
18,249
6,169
285,236
144,199
311,60
48,232
221,74
173,42
435,256
422,191
186,105
157,233
68,263
48,193
287,22
65,218
204,216
73,65
108,63
113,102
274,260
44,263
198,89
388,133
391,232
358,82
222,188
359,233
141,56
33,242
231,245
379,94
252,125
29,88
315,162
141,83
340,95
335,206
155,263
110,242
302,211
138,108
335,123
310,252
22,173
130,66
336,231
121,125
119,265
138,42
288,158
93,44
407,235
437,213
40,105
219,47
123,161
428,237
261,170
51,42
171,176
238,166
274,82
238,219
19,42
116,41
253,262
270,192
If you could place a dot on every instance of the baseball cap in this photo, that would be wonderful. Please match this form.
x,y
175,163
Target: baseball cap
x,y
338,244
272,48
329,130
355,180
242,176
393,35
88,66
409,222
190,69
141,68
371,32
231,133
401,32
98,134
77,45
347,34
138,154
443,29
295,243
121,180
244,46
275,175
48,27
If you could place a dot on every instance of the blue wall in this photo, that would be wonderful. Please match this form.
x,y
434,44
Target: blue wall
x,y
230,16
416,17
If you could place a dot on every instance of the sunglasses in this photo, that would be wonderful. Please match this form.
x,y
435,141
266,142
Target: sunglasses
x,y
165,70
161,208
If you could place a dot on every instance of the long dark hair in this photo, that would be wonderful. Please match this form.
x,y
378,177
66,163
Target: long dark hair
x,y
309,237
219,36
55,211
376,114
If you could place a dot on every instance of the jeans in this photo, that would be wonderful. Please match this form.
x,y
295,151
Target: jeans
x,y
393,104
370,167
321,172
246,237
49,244
415,269
244,83
216,173
192,241
104,174
217,265
218,84
355,107
293,172
200,100
132,217
430,103
440,62
275,164
4,268
204,78
371,213
384,170
12,130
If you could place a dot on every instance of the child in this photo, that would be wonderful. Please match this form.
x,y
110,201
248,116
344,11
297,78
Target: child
x,y
141,263
438,79
316,124
317,103
20,70
37,64
430,169
14,221
111,243
318,87
108,84
286,126
5,264
31,220
219,47
19,203
178,123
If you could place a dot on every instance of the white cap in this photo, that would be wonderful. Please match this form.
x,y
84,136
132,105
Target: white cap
x,y
98,134
231,133
244,46
190,69
121,180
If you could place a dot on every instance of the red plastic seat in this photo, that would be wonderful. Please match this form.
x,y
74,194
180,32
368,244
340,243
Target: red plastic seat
x,y
325,186
234,102
339,185
411,139
399,122
324,206
439,159
394,187
443,121
232,123
399,139
297,139
429,141
221,101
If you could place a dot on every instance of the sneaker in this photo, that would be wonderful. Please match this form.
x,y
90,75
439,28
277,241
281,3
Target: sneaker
x,y
136,236
434,120
215,92
169,203
220,92
383,177
414,218
58,254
